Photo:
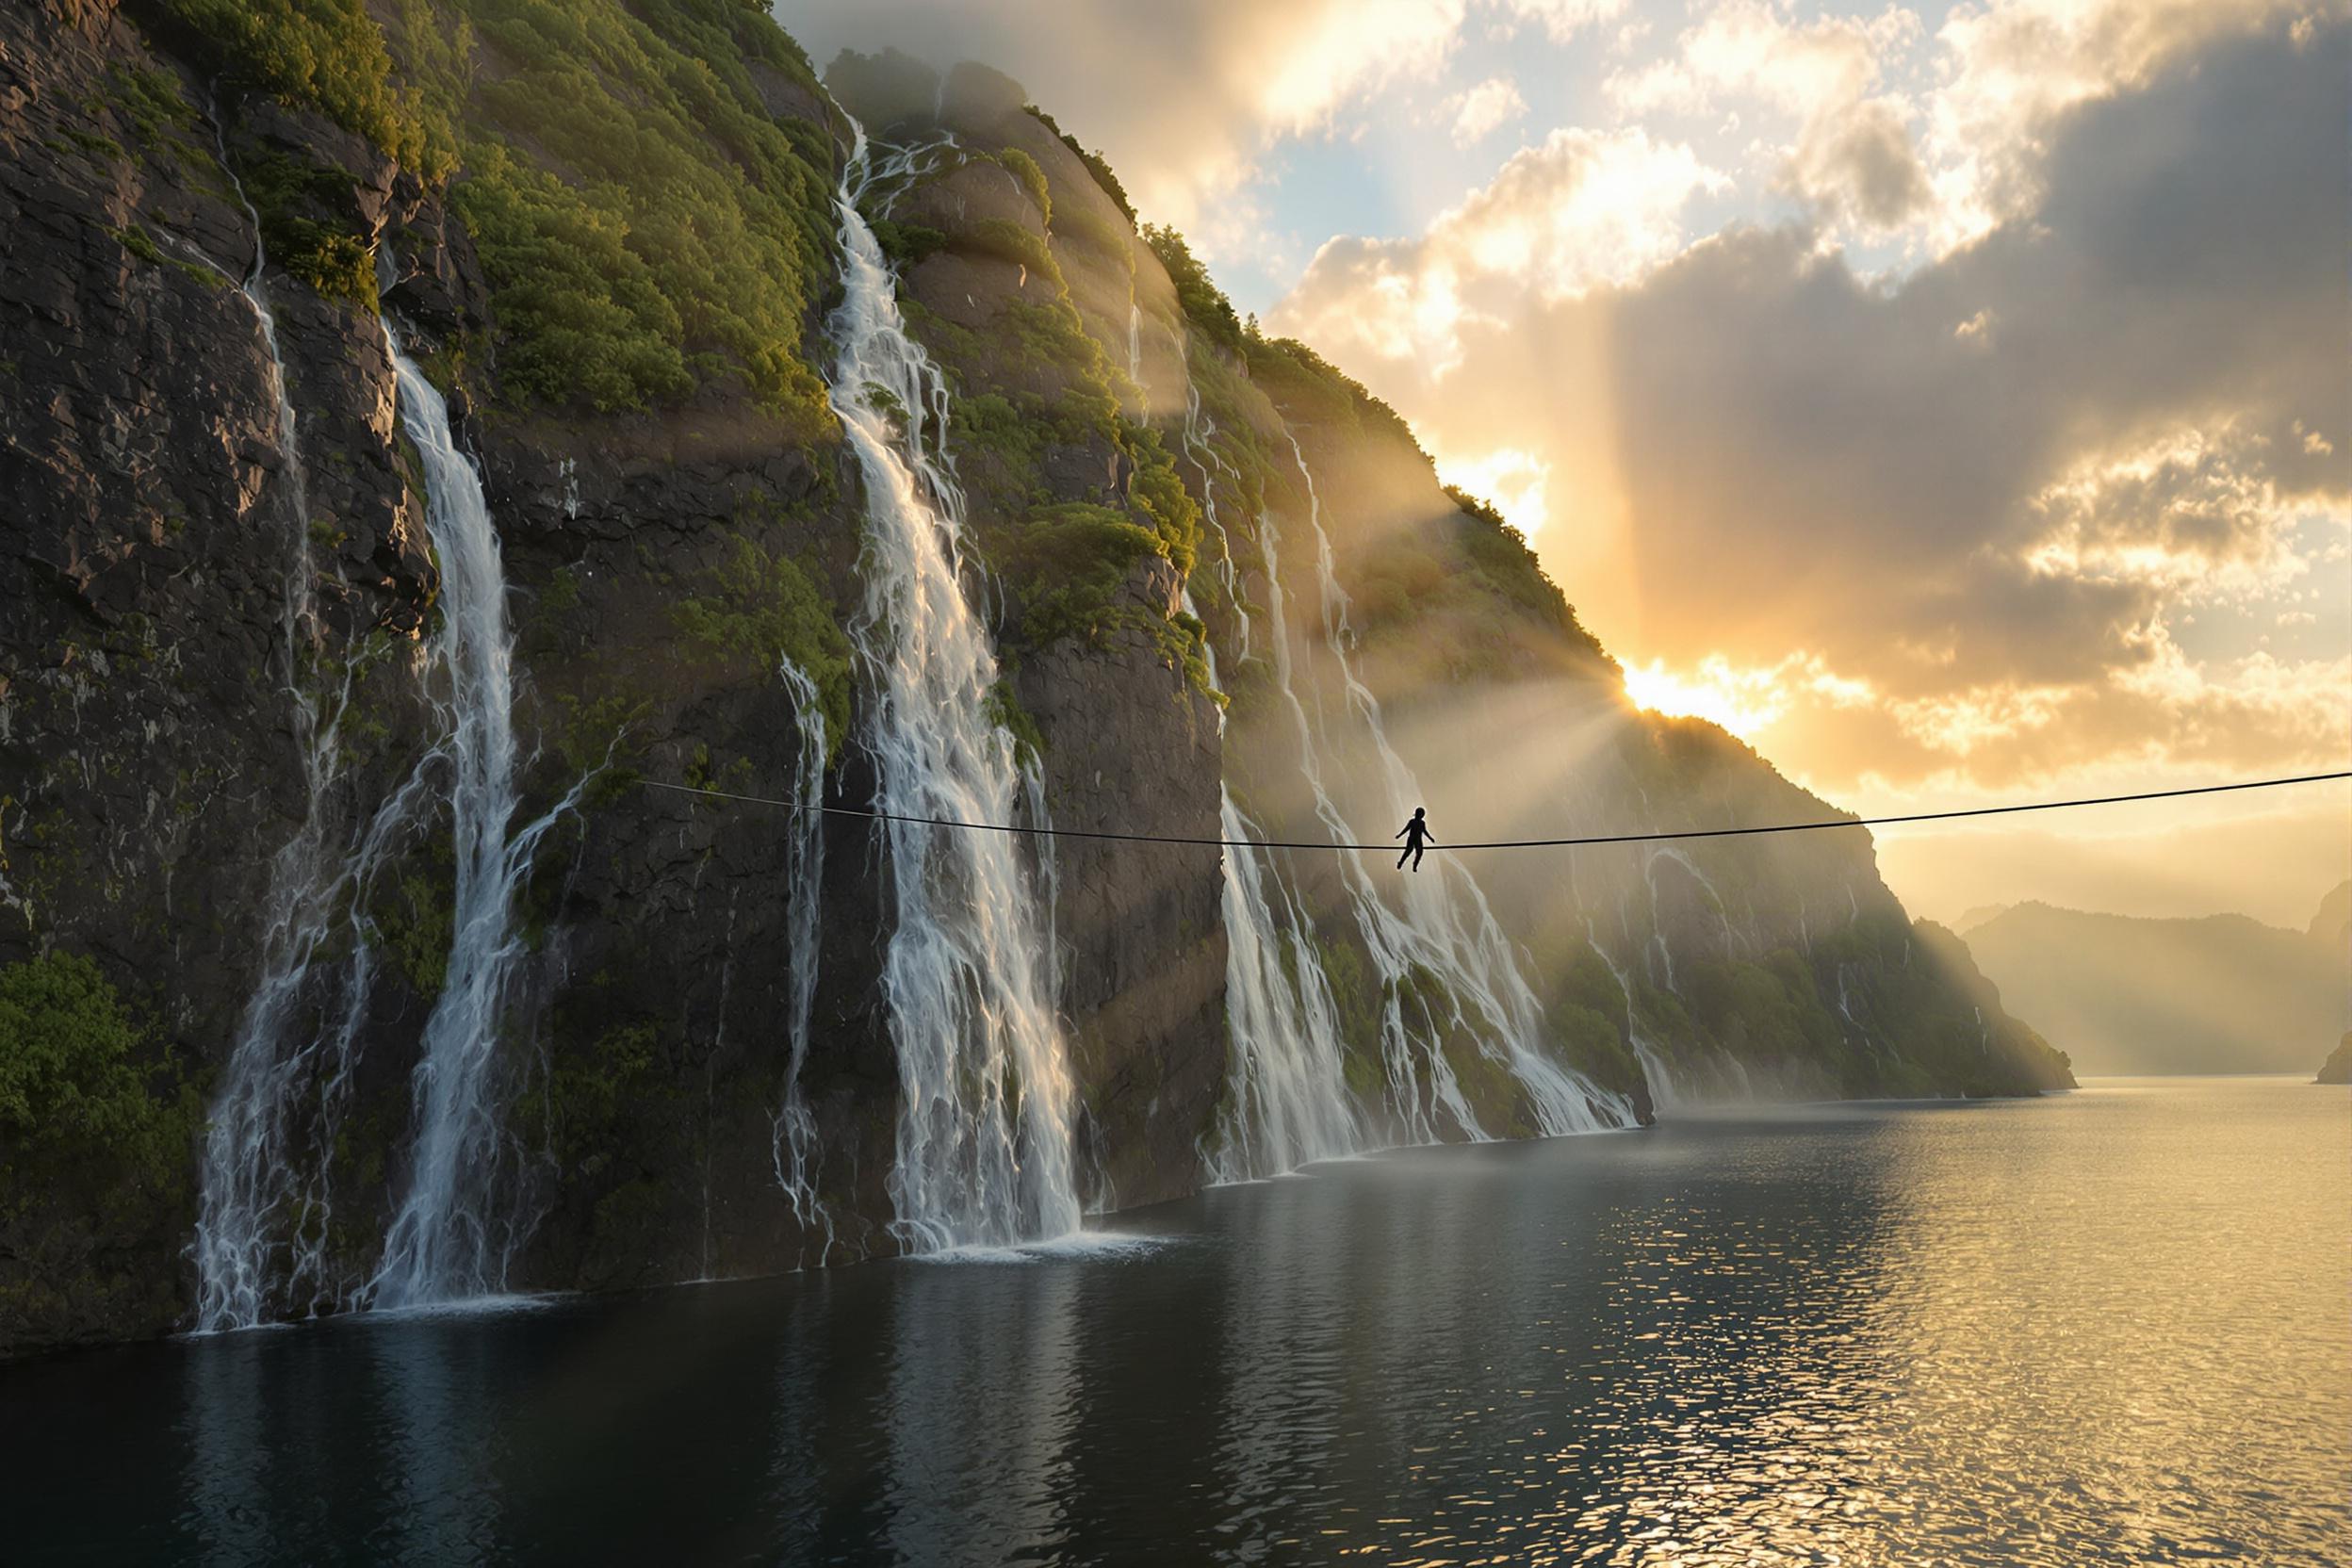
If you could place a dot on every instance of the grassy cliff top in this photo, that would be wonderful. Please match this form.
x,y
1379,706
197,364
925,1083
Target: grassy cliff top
x,y
648,184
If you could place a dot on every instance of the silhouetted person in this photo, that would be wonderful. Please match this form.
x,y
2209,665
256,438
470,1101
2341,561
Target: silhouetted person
x,y
1417,835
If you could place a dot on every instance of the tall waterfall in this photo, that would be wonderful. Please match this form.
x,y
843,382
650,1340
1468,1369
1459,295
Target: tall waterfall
x,y
1286,1102
986,1097
1446,931
265,1204
797,1155
447,1239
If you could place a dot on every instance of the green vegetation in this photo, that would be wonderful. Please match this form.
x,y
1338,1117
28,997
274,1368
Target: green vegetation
x,y
139,243
1006,241
416,922
72,1091
338,261
152,101
588,1096
1204,305
763,608
1005,710
97,1129
649,230
1498,554
1096,164
326,55
1025,169
1305,385
905,244
1067,565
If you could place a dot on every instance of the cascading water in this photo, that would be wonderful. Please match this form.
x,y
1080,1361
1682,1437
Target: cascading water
x,y
1200,446
446,1240
1446,931
984,1145
1286,1094
265,1202
1135,353
797,1154
1286,1102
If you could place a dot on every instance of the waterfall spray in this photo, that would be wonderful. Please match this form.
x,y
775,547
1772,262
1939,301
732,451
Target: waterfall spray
x,y
983,1137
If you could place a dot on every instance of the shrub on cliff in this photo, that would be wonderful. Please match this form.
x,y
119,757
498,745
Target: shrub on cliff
x,y
94,1153
1204,305
649,227
70,1088
327,55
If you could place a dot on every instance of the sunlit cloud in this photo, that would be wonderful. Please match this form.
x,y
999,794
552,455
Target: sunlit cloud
x,y
1579,211
1514,480
2009,71
1561,19
1745,699
1482,110
1850,154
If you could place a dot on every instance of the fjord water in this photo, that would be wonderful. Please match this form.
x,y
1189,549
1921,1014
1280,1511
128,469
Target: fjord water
x,y
2108,1327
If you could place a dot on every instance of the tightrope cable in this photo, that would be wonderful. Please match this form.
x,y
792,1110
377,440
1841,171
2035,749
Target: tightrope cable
x,y
1506,844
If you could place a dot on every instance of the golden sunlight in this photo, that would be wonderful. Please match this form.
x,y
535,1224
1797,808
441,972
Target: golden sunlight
x,y
1745,701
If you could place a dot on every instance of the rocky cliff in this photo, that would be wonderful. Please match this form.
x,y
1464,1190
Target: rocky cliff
x,y
229,867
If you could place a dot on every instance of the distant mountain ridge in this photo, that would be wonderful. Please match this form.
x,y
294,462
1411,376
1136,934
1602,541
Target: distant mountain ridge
x,y
2216,993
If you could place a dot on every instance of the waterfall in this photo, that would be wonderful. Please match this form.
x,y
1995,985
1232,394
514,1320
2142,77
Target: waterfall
x,y
1200,437
445,1240
1286,1094
264,1209
797,1155
1134,353
1446,932
983,1137
1287,1100
1285,1090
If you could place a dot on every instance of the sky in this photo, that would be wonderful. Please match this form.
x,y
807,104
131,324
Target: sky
x,y
1953,401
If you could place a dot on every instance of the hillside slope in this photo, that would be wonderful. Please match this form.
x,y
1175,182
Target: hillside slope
x,y
2222,993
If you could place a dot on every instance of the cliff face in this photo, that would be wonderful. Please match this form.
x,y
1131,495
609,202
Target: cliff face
x,y
229,868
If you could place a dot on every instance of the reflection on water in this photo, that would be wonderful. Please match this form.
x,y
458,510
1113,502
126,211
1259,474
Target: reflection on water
x,y
2107,1328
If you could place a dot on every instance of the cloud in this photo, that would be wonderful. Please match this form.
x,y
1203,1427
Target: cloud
x,y
1183,99
1579,211
1561,19
2010,71
2038,499
1482,110
1851,156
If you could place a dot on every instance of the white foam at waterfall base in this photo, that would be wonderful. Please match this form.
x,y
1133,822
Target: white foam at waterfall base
x,y
983,1150
448,1238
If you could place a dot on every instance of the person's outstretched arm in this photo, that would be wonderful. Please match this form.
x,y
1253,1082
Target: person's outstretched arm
x,y
1402,831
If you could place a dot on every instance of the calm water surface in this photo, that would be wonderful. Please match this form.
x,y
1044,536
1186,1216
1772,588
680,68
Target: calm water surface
x,y
2110,1327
